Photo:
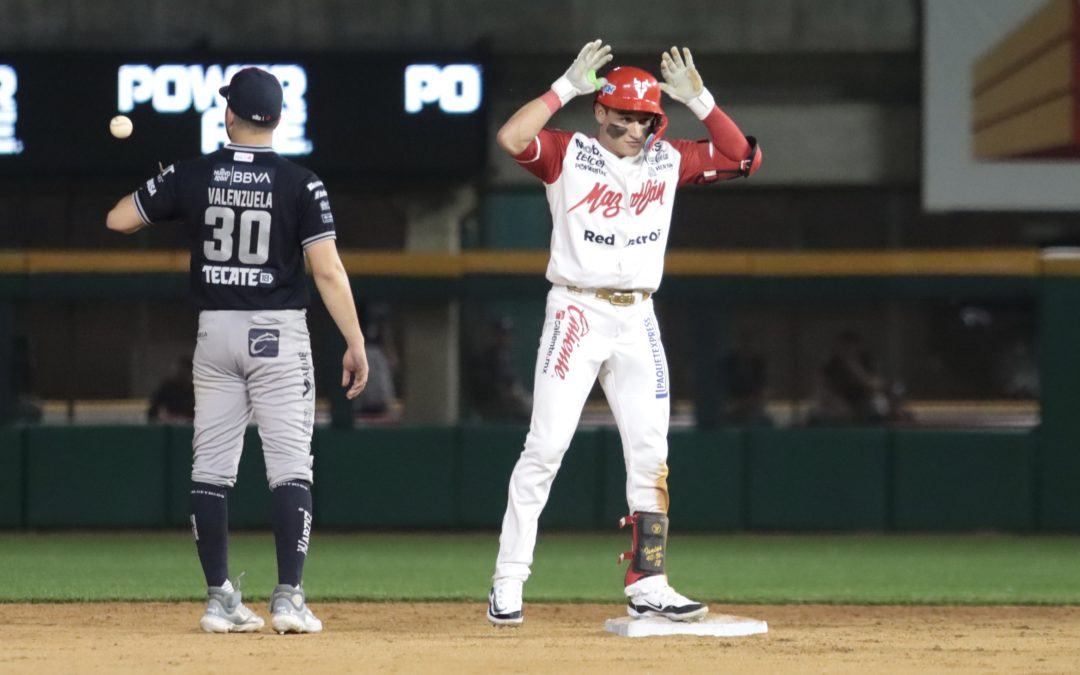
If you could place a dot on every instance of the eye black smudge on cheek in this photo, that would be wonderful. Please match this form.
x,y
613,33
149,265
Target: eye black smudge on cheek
x,y
616,131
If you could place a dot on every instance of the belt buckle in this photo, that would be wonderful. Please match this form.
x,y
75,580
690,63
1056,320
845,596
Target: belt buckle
x,y
621,298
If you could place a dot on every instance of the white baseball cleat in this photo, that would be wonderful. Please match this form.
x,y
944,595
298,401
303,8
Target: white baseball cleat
x,y
504,603
652,596
225,613
289,612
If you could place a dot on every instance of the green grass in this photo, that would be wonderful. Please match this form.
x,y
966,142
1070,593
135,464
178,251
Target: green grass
x,y
861,569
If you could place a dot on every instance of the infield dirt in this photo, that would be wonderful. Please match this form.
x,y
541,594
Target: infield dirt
x,y
448,637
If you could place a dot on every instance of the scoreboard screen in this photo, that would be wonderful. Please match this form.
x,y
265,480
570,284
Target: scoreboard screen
x,y
369,115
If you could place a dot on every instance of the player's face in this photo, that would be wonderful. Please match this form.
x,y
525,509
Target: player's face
x,y
623,132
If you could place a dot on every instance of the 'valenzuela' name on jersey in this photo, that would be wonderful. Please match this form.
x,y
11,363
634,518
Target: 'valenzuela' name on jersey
x,y
243,198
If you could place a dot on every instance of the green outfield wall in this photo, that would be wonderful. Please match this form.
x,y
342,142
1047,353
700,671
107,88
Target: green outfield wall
x,y
456,478
891,479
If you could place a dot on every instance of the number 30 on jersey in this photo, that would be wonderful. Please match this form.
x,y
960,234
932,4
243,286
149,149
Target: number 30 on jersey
x,y
252,241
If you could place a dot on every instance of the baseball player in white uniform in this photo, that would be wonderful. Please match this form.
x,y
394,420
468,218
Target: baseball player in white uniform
x,y
611,197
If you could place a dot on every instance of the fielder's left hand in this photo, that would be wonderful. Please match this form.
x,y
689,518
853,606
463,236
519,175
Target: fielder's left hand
x,y
681,79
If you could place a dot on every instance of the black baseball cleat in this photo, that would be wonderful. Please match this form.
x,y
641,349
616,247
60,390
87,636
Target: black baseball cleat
x,y
504,603
652,596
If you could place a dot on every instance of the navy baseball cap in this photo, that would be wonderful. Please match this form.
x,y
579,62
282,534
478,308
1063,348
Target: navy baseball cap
x,y
254,94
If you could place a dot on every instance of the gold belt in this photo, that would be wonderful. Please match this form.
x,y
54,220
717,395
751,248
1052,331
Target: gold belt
x,y
614,296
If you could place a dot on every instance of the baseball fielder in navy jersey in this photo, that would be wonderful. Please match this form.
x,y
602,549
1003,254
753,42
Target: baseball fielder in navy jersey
x,y
251,217
611,197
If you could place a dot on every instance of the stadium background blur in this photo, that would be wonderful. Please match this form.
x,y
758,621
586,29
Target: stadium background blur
x,y
959,311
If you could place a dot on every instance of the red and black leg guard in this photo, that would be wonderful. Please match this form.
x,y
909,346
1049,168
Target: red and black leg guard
x,y
648,541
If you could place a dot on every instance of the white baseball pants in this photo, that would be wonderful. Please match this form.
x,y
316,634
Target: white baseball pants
x,y
583,338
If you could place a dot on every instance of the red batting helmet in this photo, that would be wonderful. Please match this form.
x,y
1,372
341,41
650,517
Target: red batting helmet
x,y
630,88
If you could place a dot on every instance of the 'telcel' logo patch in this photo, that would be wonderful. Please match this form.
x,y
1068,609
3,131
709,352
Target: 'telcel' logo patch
x,y
263,342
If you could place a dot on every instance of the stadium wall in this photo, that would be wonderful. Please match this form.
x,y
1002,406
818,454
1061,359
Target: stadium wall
x,y
455,477
409,476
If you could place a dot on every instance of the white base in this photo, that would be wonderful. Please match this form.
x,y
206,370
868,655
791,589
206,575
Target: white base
x,y
720,625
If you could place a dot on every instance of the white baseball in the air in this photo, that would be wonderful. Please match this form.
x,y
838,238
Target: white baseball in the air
x,y
120,126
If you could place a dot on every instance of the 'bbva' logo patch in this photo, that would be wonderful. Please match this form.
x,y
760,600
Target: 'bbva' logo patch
x,y
263,342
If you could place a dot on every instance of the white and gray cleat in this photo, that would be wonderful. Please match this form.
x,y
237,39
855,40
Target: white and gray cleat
x,y
289,612
225,613
504,603
652,596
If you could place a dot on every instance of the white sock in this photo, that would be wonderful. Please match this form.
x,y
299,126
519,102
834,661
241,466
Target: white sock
x,y
227,586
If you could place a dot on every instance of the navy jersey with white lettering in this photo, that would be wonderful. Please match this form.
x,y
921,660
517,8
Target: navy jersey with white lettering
x,y
249,213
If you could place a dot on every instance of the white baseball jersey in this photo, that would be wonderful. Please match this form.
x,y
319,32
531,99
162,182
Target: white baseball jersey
x,y
611,215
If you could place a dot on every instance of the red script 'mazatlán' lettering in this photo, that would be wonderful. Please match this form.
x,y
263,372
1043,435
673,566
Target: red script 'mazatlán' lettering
x,y
603,197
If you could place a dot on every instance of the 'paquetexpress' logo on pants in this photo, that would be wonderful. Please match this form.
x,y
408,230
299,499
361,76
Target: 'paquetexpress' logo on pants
x,y
659,361
263,342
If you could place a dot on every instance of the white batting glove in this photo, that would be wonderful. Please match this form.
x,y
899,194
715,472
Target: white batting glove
x,y
581,77
682,82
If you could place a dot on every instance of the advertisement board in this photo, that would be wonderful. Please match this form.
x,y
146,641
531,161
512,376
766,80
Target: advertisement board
x,y
372,115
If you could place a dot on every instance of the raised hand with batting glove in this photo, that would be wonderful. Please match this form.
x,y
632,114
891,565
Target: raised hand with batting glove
x,y
580,78
682,82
